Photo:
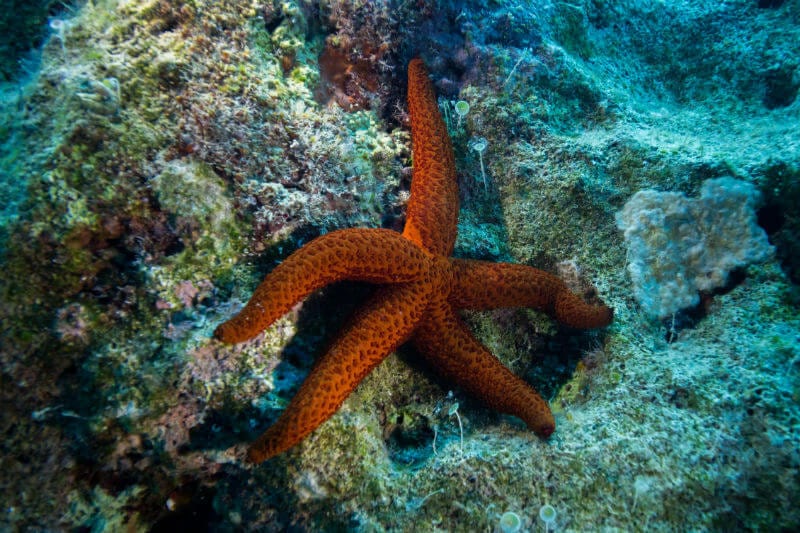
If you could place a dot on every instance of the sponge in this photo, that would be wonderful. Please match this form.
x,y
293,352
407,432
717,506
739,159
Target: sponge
x,y
678,246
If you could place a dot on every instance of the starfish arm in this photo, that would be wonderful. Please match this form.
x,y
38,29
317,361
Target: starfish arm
x,y
484,285
454,353
385,322
432,213
373,255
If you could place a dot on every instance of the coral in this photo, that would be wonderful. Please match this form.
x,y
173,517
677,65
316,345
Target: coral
x,y
356,61
678,246
72,325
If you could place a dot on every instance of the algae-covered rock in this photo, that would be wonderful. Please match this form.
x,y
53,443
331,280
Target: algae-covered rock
x,y
163,156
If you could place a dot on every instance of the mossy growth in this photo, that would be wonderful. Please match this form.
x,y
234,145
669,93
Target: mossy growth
x,y
101,510
478,238
571,26
289,53
193,196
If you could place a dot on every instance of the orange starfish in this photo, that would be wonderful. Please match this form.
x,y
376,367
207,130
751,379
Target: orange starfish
x,y
421,290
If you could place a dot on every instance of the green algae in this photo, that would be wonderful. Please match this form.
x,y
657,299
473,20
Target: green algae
x,y
193,194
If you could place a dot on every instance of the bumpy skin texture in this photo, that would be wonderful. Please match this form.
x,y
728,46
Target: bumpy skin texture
x,y
482,285
377,329
432,212
450,348
373,255
421,290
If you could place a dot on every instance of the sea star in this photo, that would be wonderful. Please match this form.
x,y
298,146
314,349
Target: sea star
x,y
421,290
